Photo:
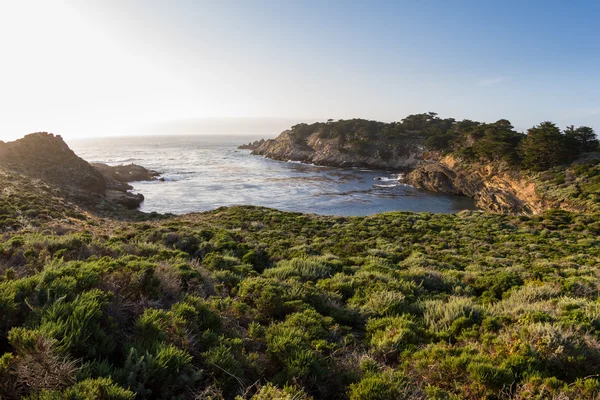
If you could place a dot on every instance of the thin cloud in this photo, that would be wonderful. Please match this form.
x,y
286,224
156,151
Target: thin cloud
x,y
580,113
491,81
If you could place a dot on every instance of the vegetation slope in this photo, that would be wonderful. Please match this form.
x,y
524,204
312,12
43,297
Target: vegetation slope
x,y
258,303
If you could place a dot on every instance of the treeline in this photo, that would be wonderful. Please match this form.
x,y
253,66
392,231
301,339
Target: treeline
x,y
542,147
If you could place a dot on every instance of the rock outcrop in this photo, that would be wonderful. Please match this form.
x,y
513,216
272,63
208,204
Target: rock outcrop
x,y
126,173
320,148
494,187
47,157
252,145
124,198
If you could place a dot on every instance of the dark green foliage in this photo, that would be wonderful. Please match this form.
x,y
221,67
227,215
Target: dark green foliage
x,y
497,141
81,326
296,346
492,287
582,139
545,147
380,387
89,389
542,148
160,372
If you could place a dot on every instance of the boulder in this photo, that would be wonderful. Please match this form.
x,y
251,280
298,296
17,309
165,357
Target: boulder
x,y
126,199
126,173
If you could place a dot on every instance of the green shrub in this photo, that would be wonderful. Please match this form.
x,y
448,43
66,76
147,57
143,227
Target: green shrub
x,y
440,315
163,371
271,392
306,268
81,326
89,389
390,335
382,386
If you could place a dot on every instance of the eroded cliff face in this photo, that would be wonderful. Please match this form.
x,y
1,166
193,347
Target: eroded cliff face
x,y
317,148
494,187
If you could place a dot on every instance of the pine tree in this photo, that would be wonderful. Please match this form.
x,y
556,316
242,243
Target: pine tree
x,y
544,147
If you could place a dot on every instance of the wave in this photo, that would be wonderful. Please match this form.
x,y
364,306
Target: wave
x,y
387,186
393,178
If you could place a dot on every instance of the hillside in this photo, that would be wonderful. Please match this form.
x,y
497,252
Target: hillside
x,y
249,302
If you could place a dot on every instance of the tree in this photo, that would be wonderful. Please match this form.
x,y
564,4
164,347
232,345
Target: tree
x,y
544,147
582,139
498,141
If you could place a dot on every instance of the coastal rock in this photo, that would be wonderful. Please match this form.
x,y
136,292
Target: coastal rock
x,y
48,158
126,173
320,148
126,199
252,145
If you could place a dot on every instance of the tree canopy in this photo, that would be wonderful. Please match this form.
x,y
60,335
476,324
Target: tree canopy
x,y
544,146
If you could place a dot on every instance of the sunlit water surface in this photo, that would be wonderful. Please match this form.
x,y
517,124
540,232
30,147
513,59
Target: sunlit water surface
x,y
205,172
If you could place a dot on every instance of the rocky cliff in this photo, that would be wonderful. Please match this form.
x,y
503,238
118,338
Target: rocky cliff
x,y
495,187
320,147
47,157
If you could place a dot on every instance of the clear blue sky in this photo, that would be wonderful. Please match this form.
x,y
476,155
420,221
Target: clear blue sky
x,y
115,66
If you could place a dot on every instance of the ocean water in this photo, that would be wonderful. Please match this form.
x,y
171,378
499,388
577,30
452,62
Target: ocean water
x,y
205,172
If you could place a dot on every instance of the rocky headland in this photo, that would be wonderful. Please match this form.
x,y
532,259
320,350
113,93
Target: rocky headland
x,y
353,143
47,158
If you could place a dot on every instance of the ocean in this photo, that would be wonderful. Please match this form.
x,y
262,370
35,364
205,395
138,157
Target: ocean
x,y
205,172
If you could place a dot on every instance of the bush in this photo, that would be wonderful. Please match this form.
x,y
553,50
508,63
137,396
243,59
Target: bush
x,y
390,335
307,268
440,315
382,386
81,327
271,392
163,371
89,389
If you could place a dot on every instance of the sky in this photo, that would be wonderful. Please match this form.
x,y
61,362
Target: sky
x,y
85,68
